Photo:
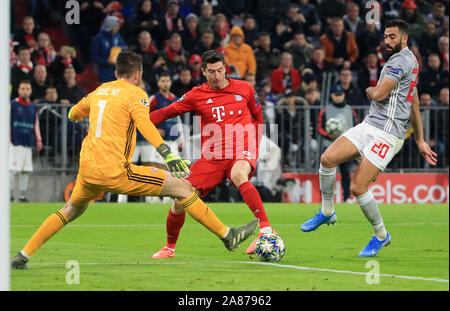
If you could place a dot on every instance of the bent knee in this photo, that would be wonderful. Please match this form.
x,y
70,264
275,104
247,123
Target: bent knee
x,y
357,189
327,160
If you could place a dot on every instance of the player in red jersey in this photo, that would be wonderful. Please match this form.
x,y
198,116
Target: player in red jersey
x,y
231,128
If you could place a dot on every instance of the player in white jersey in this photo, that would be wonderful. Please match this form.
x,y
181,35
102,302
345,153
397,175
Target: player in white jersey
x,y
375,141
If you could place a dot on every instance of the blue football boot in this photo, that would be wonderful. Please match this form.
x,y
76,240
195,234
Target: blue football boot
x,y
318,220
374,246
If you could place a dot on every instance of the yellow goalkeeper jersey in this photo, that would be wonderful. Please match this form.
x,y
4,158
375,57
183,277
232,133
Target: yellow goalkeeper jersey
x,y
115,110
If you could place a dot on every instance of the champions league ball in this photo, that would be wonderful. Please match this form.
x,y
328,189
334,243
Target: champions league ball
x,y
333,126
270,247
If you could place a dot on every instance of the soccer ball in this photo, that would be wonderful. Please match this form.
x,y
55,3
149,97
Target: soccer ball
x,y
270,247
333,126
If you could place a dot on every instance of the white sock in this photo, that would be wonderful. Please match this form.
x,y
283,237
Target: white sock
x,y
327,179
266,230
370,209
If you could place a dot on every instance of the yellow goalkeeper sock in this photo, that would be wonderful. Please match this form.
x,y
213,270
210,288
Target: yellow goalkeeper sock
x,y
204,215
48,228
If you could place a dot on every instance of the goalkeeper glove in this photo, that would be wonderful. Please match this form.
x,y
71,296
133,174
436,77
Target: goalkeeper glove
x,y
177,166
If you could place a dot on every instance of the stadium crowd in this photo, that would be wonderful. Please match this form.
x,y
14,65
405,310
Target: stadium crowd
x,y
282,47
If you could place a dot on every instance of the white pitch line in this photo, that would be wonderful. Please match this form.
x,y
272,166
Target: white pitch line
x,y
250,263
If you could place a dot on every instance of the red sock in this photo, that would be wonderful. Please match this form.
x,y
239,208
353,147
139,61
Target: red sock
x,y
252,198
173,227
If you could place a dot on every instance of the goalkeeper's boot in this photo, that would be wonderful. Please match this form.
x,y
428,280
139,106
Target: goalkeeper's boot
x,y
237,235
374,246
317,220
251,247
164,253
19,262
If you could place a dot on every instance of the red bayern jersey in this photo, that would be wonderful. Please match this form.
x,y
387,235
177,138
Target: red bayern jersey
x,y
229,119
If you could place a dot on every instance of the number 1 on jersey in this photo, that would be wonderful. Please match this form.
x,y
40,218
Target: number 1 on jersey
x,y
101,104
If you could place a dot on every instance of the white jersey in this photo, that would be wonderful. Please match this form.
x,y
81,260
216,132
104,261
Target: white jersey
x,y
392,114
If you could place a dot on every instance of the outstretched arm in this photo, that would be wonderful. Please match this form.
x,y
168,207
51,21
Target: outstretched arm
x,y
416,122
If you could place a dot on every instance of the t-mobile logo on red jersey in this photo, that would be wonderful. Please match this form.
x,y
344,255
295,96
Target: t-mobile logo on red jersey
x,y
218,112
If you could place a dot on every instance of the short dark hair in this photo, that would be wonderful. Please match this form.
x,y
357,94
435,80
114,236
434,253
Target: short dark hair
x,y
128,62
211,57
164,74
24,82
401,24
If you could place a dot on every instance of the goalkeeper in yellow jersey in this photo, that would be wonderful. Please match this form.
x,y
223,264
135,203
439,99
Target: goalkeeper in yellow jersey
x,y
115,110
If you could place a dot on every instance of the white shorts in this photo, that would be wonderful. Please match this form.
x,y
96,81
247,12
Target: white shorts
x,y
378,146
20,159
148,153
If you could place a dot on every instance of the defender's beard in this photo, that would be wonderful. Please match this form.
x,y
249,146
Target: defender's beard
x,y
389,53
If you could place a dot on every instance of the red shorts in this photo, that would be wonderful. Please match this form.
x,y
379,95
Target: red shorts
x,y
207,174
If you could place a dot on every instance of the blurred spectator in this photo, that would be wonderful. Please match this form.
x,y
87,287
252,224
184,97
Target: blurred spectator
x,y
147,19
266,86
369,73
250,31
250,78
240,54
195,63
105,48
369,40
175,56
319,65
67,58
206,19
290,121
235,10
330,9
444,52
300,49
353,96
12,54
173,21
270,12
309,81
39,83
438,16
313,22
410,14
191,34
91,18
352,21
428,41
69,91
27,35
184,83
50,120
268,109
25,135
221,30
22,70
148,53
285,78
340,110
433,78
312,96
339,45
267,58
443,97
281,35
206,42
295,19
44,54
426,100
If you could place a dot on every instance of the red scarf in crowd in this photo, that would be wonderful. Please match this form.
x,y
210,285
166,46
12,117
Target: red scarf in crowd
x,y
25,68
373,75
169,22
171,53
23,102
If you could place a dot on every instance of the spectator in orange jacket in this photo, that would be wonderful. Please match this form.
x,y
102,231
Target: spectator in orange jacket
x,y
240,54
340,46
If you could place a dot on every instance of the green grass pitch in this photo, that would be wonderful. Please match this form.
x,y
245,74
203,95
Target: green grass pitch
x,y
113,244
